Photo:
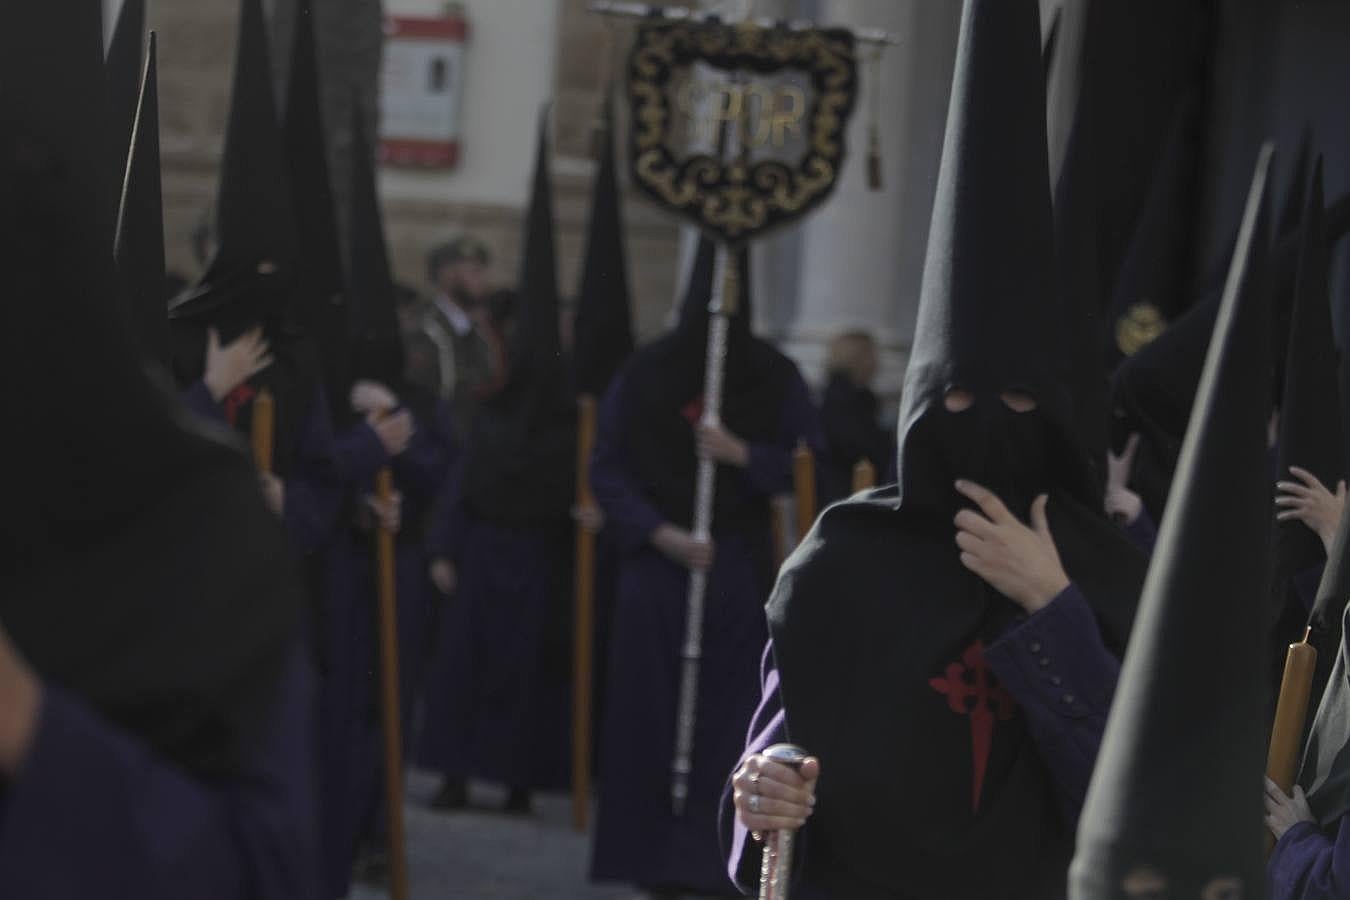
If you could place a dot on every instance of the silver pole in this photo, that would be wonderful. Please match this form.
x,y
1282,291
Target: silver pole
x,y
681,14
775,874
726,280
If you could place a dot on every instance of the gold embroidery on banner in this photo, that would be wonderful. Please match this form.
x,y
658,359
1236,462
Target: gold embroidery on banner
x,y
738,200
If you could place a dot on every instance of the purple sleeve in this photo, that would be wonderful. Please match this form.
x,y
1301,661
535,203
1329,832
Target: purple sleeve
x,y
449,520
314,490
1143,532
424,466
1309,865
358,454
199,400
767,727
94,814
631,519
770,468
1059,671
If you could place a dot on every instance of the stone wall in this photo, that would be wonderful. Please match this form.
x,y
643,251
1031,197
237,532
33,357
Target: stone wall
x,y
196,58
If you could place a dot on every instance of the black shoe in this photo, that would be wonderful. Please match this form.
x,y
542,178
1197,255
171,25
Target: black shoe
x,y
372,868
517,802
453,795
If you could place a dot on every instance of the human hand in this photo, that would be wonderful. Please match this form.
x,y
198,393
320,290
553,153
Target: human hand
x,y
371,397
20,703
229,366
590,517
681,547
444,576
770,796
1122,504
1019,562
274,492
1283,811
720,445
395,431
388,513
1311,503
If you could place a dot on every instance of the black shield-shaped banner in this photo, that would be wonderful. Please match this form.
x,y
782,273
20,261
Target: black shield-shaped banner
x,y
787,95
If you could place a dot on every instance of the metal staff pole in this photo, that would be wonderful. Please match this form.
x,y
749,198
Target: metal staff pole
x,y
726,290
775,873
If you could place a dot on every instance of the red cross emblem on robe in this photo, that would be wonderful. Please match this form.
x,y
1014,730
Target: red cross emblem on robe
x,y
971,690
236,400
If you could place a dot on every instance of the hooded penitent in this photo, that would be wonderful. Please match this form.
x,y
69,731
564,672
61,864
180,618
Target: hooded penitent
x,y
1175,803
139,569
320,304
858,666
139,244
520,459
604,327
663,398
253,277
377,344
1310,432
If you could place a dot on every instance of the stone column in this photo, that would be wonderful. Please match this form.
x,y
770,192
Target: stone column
x,y
861,259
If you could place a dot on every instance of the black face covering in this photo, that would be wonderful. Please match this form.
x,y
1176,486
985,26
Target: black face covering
x,y
1005,451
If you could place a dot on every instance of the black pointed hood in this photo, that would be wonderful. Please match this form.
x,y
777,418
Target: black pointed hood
x,y
118,508
1292,205
521,455
1080,281
139,244
989,314
1152,286
251,276
377,351
538,342
604,321
1200,627
1309,437
122,69
320,306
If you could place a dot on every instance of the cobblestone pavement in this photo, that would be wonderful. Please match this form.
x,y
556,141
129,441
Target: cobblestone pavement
x,y
487,856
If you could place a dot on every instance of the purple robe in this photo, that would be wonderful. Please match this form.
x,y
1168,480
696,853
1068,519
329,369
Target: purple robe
x,y
1065,699
353,748
498,700
638,839
1311,864
95,814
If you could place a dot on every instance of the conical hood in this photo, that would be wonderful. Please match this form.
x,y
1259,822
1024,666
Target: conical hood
x,y
1080,281
320,308
989,313
522,452
539,345
1200,629
1152,286
139,245
378,346
123,72
1309,437
604,322
254,266
118,510
1292,206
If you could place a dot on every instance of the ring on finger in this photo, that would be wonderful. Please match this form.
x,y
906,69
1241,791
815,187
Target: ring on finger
x,y
754,803
754,783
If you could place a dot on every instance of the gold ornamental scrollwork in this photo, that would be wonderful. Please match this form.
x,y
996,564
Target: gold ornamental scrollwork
x,y
738,200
